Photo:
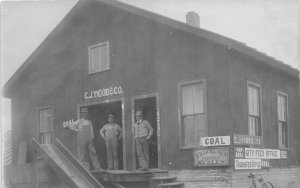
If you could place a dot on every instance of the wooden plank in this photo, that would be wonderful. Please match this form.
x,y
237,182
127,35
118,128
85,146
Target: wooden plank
x,y
63,167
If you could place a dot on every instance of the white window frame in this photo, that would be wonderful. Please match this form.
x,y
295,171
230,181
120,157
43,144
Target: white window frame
x,y
180,113
280,145
249,84
91,57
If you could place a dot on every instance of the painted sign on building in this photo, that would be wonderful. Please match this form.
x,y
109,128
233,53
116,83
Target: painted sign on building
x,y
246,140
283,154
215,141
105,92
239,153
67,124
211,157
258,153
251,164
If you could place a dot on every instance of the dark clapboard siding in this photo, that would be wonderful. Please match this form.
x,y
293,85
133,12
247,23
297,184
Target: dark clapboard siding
x,y
146,56
244,68
188,59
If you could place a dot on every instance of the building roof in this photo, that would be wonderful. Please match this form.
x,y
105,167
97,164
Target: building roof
x,y
199,32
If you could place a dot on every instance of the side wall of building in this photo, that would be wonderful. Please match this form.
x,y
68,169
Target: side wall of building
x,y
244,69
145,56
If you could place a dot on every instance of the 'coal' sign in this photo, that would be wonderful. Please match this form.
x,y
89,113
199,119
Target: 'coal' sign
x,y
215,141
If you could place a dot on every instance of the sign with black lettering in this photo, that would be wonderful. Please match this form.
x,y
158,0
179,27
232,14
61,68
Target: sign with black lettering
x,y
211,157
251,164
246,140
283,154
215,141
258,153
239,153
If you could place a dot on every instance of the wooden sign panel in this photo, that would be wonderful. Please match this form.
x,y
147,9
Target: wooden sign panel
x,y
258,153
251,164
246,140
211,157
283,154
215,141
103,92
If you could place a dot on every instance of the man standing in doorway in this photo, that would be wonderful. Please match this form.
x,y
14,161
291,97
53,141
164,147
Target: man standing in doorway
x,y
85,140
142,132
111,133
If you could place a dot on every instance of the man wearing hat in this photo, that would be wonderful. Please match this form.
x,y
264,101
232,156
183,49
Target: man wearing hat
x,y
111,133
142,132
85,140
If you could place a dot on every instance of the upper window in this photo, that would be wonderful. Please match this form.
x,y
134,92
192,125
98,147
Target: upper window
x,y
193,112
282,120
99,57
254,110
46,125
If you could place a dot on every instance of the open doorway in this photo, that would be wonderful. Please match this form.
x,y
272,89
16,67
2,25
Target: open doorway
x,y
149,109
98,115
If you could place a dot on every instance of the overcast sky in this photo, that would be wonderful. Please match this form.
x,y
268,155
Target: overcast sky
x,y
271,26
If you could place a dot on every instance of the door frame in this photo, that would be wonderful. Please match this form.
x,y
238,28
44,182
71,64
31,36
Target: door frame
x,y
142,96
98,102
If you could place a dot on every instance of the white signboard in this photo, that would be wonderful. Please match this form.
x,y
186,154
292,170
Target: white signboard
x,y
250,164
106,92
256,153
215,141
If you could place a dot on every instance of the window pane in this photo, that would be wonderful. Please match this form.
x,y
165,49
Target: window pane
x,y
189,130
104,58
200,128
285,135
282,134
253,100
254,126
187,100
96,59
99,58
46,120
198,98
45,138
281,106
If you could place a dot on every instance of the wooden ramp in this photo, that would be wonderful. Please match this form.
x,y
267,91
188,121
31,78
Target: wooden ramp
x,y
66,165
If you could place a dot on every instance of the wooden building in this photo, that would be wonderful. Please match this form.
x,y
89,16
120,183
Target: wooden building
x,y
190,83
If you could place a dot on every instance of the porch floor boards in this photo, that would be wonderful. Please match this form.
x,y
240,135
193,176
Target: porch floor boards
x,y
128,176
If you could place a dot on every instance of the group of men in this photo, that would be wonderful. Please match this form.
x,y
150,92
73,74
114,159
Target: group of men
x,y
111,133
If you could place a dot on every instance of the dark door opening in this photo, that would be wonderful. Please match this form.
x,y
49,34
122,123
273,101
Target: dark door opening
x,y
98,116
148,107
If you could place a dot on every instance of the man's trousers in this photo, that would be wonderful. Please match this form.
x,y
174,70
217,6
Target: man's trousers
x,y
86,149
142,152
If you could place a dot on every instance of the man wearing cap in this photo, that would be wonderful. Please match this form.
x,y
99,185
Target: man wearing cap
x,y
85,140
111,133
142,132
